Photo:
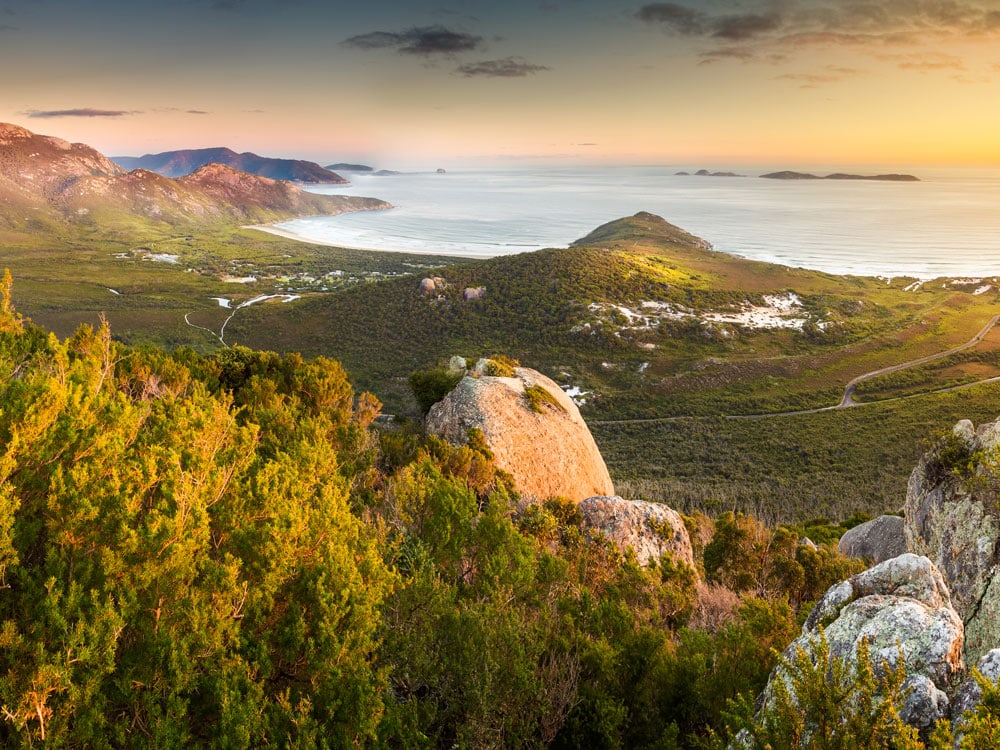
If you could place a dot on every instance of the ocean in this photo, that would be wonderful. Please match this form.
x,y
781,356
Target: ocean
x,y
948,224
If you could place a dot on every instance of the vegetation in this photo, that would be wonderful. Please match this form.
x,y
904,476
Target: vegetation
x,y
430,386
220,551
539,399
824,702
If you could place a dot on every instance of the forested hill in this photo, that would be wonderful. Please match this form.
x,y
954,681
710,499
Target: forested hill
x,y
220,552
639,313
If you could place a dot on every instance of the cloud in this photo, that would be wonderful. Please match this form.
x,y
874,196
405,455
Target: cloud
x,y
508,67
830,74
678,18
726,53
8,27
926,62
420,40
196,112
769,27
82,112
741,28
690,22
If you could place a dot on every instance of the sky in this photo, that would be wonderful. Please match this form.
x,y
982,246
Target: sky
x,y
440,83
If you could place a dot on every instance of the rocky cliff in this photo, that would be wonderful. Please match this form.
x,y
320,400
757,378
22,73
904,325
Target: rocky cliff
x,y
535,431
952,515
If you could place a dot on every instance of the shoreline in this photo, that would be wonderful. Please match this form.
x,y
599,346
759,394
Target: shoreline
x,y
290,235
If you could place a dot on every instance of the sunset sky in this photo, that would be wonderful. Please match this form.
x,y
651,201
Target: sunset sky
x,y
426,83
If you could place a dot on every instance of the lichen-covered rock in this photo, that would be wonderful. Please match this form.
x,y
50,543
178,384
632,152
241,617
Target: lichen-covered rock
x,y
549,451
427,286
902,608
969,694
877,540
951,516
924,704
649,529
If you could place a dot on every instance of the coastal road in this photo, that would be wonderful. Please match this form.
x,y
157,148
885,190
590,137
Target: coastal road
x,y
848,400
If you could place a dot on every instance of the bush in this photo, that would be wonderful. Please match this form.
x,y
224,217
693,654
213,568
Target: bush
x,y
430,386
538,397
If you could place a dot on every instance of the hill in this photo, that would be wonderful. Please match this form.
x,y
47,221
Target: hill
x,y
349,168
642,315
47,180
183,162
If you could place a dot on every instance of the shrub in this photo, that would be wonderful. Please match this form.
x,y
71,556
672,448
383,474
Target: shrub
x,y
538,398
430,386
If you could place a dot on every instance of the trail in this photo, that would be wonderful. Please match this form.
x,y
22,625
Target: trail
x,y
221,335
847,401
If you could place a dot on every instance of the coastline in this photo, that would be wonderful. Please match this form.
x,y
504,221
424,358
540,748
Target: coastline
x,y
289,235
284,233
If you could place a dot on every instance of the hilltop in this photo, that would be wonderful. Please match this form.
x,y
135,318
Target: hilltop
x,y
186,161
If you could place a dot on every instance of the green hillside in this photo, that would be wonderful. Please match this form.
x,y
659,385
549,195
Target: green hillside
x,y
637,315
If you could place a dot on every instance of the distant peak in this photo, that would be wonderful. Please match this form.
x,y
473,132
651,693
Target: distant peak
x,y
642,224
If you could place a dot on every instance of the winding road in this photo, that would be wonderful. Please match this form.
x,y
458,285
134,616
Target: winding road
x,y
848,400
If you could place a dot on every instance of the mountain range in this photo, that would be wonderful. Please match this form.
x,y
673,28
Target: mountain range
x,y
46,179
186,161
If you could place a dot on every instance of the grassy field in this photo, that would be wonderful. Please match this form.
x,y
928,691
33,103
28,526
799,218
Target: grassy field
x,y
832,464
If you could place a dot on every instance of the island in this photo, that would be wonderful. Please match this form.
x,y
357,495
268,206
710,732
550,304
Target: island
x,y
349,168
706,173
790,175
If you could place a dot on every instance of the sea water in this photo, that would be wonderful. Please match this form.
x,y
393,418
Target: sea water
x,y
948,224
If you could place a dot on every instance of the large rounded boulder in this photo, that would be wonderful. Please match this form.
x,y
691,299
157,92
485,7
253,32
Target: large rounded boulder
x,y
877,540
650,530
534,430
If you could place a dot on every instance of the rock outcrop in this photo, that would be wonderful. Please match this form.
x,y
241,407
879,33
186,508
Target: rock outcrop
x,y
970,694
952,517
877,540
649,529
902,608
542,442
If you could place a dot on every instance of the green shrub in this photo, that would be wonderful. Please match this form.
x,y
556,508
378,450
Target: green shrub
x,y
495,368
821,701
538,397
430,386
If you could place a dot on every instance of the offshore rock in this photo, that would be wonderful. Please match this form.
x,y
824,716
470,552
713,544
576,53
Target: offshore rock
x,y
549,452
902,608
649,529
952,518
877,540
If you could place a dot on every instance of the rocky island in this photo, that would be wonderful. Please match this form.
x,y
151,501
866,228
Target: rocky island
x,y
706,173
790,175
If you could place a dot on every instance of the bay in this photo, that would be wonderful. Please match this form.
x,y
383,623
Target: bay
x,y
948,224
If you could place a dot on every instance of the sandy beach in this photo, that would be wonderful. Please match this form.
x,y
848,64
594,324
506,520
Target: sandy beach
x,y
271,229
